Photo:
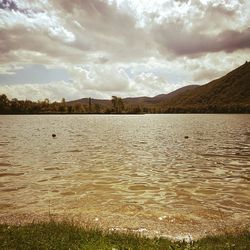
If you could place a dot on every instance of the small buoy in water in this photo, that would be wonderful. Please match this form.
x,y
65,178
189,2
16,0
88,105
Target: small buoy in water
x,y
53,135
186,137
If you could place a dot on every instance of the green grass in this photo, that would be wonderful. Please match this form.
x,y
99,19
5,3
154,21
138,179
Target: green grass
x,y
67,235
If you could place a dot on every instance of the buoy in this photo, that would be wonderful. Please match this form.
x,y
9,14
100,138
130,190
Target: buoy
x,y
53,135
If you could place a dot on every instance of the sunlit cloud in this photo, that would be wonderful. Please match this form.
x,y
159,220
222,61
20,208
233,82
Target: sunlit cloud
x,y
128,48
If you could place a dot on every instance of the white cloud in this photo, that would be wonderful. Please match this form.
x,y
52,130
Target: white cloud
x,y
36,21
122,47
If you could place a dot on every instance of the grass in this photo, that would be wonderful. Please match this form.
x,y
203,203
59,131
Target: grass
x,y
67,235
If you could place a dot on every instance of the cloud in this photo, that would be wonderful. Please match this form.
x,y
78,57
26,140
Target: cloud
x,y
107,29
33,74
150,84
74,31
122,47
98,81
53,91
204,69
78,81
67,28
101,78
18,42
8,5
203,28
174,38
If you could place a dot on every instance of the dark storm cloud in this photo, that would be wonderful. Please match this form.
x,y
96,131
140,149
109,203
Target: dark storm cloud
x,y
207,29
175,38
232,40
8,5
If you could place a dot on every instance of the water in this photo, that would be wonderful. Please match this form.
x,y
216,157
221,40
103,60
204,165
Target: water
x,y
126,171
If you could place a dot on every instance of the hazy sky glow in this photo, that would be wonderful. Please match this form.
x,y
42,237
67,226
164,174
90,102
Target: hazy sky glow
x,y
82,48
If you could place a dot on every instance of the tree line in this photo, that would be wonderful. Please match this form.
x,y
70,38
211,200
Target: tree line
x,y
115,106
15,106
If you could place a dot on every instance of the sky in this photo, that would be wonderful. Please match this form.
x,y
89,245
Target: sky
x,y
98,48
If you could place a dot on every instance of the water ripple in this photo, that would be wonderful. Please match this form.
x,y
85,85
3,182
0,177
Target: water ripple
x,y
123,167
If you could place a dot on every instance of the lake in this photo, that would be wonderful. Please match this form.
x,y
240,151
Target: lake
x,y
128,171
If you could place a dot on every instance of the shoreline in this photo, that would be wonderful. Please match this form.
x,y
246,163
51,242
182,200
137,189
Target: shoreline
x,y
182,230
69,234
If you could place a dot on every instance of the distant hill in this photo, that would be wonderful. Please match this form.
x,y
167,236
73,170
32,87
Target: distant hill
x,y
228,93
85,101
158,98
165,97
144,100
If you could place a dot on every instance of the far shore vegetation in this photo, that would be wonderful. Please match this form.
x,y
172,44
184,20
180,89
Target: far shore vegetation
x,y
114,106
68,235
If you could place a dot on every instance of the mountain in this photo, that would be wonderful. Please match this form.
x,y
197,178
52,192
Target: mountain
x,y
164,97
158,98
228,92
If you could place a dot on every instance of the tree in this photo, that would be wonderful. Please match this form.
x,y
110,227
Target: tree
x,y
117,103
4,103
97,108
15,106
46,101
90,104
62,106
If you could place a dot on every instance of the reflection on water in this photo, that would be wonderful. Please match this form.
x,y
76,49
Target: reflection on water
x,y
127,170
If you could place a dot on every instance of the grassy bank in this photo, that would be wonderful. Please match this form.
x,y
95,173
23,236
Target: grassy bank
x,y
66,235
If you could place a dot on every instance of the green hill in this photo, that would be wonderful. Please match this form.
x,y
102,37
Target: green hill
x,y
230,93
